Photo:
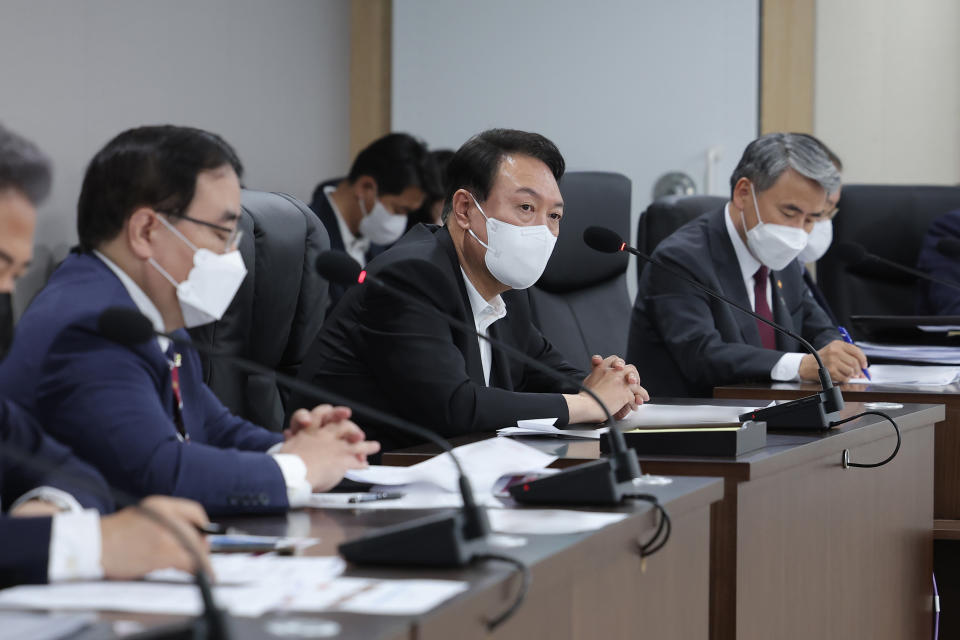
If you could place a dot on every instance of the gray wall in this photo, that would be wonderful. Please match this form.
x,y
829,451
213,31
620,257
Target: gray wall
x,y
635,86
271,77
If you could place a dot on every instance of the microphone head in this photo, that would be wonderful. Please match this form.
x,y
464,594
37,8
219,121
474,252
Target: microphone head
x,y
125,325
851,253
337,266
603,239
949,247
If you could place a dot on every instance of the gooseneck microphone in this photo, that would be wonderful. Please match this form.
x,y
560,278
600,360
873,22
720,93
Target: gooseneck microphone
x,y
804,413
438,540
853,253
213,623
603,481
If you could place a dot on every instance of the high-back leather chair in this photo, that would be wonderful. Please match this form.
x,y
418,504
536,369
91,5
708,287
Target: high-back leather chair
x,y
278,310
581,302
666,215
890,221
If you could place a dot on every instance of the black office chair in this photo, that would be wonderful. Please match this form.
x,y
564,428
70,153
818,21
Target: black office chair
x,y
278,310
668,214
890,221
581,302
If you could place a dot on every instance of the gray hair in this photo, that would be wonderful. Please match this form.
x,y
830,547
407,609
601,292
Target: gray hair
x,y
766,158
23,167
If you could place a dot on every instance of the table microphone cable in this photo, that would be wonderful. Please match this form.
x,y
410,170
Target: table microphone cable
x,y
526,578
664,528
869,465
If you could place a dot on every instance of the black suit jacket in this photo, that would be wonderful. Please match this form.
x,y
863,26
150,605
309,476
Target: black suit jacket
x,y
29,459
321,206
684,343
403,360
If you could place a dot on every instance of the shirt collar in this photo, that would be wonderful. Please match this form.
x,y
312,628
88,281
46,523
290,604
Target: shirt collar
x,y
748,264
144,303
355,246
485,312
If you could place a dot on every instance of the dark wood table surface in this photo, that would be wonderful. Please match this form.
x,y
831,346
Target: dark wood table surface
x,y
801,547
946,462
584,585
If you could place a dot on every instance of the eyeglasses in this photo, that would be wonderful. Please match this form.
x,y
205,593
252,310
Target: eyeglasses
x,y
233,235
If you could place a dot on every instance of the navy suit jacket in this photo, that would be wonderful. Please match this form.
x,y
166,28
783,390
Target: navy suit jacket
x,y
684,343
932,298
113,405
406,361
30,459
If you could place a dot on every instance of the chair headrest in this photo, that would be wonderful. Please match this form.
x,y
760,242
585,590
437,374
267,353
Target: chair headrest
x,y
589,198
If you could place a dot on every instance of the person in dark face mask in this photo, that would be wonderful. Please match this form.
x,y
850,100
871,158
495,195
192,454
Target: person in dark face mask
x,y
685,343
502,216
366,212
157,221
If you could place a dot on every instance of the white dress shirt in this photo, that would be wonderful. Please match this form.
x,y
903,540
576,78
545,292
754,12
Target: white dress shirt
x,y
788,366
292,466
485,313
356,247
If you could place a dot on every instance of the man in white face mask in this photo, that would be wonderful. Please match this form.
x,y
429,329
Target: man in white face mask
x,y
749,251
502,217
157,221
367,211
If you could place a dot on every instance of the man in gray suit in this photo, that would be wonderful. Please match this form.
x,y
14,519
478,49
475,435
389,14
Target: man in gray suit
x,y
683,342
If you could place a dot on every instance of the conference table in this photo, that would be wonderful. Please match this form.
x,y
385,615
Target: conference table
x,y
584,585
802,547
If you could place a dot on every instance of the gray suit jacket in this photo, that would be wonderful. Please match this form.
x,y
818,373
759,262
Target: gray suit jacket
x,y
684,343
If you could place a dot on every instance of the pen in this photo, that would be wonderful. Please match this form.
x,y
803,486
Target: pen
x,y
211,528
373,497
846,338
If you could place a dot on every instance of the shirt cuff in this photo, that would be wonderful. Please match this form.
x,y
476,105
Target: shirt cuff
x,y
75,547
294,472
787,368
57,497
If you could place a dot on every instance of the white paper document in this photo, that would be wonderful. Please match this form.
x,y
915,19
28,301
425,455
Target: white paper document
x,y
549,521
419,495
544,427
262,584
911,375
666,415
482,461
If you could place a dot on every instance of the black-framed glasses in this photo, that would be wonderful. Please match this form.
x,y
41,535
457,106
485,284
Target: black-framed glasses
x,y
233,235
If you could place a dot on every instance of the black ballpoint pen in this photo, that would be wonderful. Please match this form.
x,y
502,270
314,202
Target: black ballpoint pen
x,y
373,497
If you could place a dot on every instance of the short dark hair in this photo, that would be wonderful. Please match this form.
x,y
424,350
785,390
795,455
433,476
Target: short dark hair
x,y
474,166
23,167
395,161
154,166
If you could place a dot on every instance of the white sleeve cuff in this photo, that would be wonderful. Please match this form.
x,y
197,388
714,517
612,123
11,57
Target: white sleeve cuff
x,y
75,547
60,499
294,472
787,368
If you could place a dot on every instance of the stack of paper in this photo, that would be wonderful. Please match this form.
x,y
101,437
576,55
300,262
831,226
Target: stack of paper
x,y
661,416
911,375
912,353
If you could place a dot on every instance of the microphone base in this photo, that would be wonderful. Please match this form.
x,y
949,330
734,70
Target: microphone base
x,y
808,413
593,482
439,540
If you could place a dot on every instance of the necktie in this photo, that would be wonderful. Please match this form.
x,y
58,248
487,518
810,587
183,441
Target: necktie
x,y
768,338
174,360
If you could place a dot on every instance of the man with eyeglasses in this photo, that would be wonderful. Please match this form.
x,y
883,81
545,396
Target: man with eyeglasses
x,y
684,343
157,220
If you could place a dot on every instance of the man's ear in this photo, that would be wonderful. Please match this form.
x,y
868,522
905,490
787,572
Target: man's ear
x,y
365,189
741,195
462,201
140,229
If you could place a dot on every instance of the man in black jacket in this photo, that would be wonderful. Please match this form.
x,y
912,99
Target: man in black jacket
x,y
502,215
